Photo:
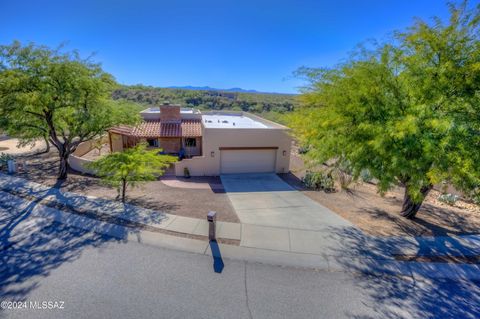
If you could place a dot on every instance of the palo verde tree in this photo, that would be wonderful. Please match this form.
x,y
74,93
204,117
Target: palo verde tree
x,y
131,167
407,111
50,93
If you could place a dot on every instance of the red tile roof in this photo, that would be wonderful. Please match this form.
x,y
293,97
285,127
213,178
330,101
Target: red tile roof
x,y
191,128
121,129
151,129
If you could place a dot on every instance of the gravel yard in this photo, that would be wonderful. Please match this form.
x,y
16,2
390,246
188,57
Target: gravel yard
x,y
379,216
190,202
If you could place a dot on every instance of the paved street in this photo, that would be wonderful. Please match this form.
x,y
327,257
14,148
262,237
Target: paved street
x,y
331,249
100,277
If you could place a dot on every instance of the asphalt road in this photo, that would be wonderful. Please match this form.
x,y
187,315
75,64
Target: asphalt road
x,y
93,276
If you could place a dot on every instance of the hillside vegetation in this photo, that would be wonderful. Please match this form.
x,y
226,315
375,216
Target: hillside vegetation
x,y
269,105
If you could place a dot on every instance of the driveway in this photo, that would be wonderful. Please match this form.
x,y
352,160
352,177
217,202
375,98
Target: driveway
x,y
266,200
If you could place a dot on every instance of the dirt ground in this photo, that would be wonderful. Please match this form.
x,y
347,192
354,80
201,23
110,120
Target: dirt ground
x,y
42,168
362,206
10,146
379,216
94,154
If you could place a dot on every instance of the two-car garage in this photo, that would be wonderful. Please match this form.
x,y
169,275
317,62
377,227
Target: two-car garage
x,y
247,160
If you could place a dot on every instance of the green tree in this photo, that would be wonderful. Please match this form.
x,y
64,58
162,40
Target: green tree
x,y
131,167
407,111
49,93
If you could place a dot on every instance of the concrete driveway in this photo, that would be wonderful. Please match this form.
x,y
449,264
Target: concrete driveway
x,y
266,200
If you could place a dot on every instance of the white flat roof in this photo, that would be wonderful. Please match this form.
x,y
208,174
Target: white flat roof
x,y
182,110
230,121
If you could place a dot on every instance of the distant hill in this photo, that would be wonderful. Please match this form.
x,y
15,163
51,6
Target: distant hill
x,y
207,88
209,99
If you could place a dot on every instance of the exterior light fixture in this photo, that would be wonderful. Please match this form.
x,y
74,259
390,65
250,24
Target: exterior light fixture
x,y
284,153
212,154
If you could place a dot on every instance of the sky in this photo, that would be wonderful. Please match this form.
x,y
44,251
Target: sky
x,y
248,44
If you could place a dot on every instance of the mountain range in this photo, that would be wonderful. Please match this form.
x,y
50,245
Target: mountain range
x,y
207,88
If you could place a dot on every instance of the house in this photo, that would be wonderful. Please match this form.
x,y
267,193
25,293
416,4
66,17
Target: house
x,y
210,143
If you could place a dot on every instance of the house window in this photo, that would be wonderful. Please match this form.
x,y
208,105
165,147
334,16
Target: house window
x,y
190,142
152,142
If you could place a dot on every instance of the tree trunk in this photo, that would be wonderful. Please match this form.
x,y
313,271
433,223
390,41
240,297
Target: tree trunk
x,y
409,207
63,170
47,144
124,188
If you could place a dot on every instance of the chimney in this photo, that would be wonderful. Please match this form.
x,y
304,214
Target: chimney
x,y
170,112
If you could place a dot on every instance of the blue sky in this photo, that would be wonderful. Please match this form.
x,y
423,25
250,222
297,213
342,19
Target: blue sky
x,y
244,43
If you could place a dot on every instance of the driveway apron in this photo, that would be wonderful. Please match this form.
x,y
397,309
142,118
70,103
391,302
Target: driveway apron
x,y
276,216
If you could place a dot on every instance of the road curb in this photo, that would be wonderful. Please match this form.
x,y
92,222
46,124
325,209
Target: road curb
x,y
368,266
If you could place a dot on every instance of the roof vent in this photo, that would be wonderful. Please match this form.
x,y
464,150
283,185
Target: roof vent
x,y
224,121
233,123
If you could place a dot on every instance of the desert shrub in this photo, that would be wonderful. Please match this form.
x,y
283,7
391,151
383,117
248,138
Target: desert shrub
x,y
319,180
475,196
328,183
448,198
344,179
312,179
303,149
4,158
366,176
343,173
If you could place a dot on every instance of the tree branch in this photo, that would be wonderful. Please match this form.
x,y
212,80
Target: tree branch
x,y
40,116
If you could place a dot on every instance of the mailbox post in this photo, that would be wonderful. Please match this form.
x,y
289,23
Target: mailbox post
x,y
212,221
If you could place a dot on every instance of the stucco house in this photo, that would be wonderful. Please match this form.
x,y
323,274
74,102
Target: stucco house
x,y
210,143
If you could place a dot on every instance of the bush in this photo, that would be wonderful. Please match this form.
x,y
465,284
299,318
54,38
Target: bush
x,y
4,158
343,173
319,181
303,149
344,179
366,176
449,199
475,196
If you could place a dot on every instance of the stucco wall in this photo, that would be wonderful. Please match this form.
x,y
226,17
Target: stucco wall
x,y
214,138
77,162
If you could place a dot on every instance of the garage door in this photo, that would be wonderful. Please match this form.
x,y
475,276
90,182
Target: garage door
x,y
247,161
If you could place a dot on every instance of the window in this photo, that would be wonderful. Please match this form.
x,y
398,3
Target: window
x,y
190,142
152,142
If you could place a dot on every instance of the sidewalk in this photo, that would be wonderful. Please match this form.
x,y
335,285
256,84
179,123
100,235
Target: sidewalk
x,y
346,249
135,214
